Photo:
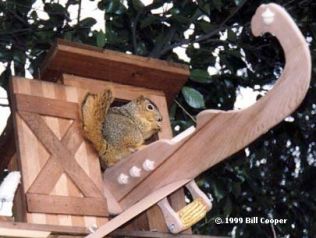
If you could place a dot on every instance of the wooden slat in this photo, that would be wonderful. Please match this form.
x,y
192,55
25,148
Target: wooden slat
x,y
75,231
4,232
117,67
66,205
120,91
52,144
47,106
151,234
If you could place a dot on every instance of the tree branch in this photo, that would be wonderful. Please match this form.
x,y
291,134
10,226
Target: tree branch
x,y
185,111
134,28
79,12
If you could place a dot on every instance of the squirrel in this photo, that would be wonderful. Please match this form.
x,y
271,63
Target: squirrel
x,y
116,132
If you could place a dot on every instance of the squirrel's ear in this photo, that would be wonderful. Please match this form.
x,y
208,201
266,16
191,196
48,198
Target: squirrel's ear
x,y
140,99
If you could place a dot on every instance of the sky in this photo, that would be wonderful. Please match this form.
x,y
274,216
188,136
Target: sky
x,y
245,96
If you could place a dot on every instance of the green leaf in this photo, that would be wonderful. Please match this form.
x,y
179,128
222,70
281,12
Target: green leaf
x,y
200,76
112,6
138,5
100,39
228,207
218,4
87,22
237,2
149,21
68,35
193,97
231,36
206,26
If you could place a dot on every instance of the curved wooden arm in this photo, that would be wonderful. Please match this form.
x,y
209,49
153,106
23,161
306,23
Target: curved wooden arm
x,y
219,134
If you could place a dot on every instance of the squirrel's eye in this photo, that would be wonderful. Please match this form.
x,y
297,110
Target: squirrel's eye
x,y
150,107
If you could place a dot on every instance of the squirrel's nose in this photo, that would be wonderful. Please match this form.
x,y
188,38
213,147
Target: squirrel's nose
x,y
159,119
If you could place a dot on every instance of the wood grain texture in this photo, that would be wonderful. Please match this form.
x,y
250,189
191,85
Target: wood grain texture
x,y
75,231
66,205
80,60
219,134
58,147
46,106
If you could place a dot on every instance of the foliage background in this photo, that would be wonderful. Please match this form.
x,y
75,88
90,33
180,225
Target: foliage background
x,y
274,177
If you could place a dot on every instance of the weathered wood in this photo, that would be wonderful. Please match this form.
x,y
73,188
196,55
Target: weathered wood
x,y
74,58
219,134
66,205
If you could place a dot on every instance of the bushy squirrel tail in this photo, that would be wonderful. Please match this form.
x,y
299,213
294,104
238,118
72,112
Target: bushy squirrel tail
x,y
94,108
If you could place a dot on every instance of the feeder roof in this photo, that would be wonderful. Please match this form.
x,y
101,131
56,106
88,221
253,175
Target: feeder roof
x,y
92,62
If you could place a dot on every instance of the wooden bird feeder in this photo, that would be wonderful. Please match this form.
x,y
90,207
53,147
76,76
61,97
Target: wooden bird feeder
x,y
63,189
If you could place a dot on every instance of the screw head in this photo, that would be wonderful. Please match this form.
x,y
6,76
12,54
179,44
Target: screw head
x,y
149,165
122,179
135,171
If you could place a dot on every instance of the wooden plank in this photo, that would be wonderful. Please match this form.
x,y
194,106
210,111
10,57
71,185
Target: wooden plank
x,y
151,234
51,172
55,229
66,205
120,91
35,87
47,106
74,231
5,232
52,144
113,66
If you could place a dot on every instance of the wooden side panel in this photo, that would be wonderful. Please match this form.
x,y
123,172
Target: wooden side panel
x,y
34,155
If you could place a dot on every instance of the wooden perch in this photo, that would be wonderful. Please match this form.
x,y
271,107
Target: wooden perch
x,y
218,134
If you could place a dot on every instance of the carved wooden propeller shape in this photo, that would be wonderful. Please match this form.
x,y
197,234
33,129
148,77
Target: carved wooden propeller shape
x,y
151,174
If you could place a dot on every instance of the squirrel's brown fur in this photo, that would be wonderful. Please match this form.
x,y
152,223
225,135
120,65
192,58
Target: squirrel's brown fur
x,y
116,132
